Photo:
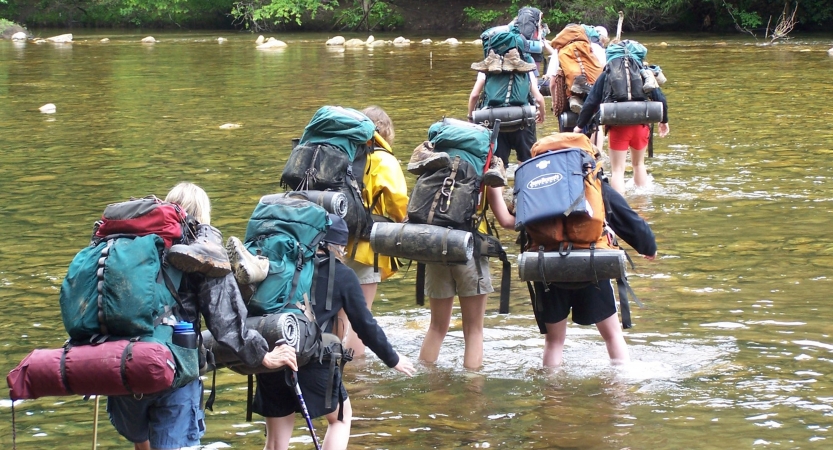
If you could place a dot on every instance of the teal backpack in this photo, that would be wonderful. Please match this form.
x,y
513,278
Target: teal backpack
x,y
287,231
505,88
119,287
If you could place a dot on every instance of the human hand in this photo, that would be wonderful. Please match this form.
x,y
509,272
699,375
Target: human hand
x,y
664,129
405,366
650,257
577,130
282,355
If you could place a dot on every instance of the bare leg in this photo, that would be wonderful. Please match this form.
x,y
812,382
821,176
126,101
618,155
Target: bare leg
x,y
338,431
437,329
640,172
279,432
474,309
353,340
617,167
611,332
554,343
141,445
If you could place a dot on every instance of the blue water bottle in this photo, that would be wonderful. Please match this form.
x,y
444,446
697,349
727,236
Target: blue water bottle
x,y
184,335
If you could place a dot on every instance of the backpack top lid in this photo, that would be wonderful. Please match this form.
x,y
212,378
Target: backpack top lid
x,y
562,141
141,217
278,214
501,39
570,33
633,49
528,22
345,128
459,138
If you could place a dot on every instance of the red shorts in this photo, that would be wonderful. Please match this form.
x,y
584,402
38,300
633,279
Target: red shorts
x,y
623,136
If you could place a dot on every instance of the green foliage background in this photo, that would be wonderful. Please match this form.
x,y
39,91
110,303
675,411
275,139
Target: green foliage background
x,y
255,15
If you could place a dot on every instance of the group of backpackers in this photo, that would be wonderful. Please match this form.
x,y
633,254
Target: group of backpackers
x,y
290,302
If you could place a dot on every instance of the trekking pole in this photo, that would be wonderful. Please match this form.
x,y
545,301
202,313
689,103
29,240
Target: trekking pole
x,y
95,422
294,380
619,27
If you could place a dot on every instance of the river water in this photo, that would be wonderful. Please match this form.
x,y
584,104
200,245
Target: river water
x,y
732,350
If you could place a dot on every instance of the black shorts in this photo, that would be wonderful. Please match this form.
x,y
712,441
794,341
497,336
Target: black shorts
x,y
521,140
590,304
275,398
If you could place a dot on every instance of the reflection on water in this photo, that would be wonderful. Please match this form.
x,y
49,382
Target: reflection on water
x,y
732,349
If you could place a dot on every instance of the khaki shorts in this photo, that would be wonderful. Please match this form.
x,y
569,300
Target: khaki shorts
x,y
461,280
366,274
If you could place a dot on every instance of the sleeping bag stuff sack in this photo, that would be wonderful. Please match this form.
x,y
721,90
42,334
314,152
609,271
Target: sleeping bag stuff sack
x,y
124,367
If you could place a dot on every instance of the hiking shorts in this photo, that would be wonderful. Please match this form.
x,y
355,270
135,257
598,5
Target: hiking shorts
x,y
461,280
521,140
172,419
366,273
275,398
590,304
622,137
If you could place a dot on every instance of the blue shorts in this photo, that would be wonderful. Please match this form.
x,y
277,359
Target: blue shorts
x,y
171,419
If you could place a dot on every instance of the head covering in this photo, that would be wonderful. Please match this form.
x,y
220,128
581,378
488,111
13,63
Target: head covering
x,y
337,233
602,32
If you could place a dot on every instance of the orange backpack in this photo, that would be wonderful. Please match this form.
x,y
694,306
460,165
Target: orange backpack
x,y
577,230
575,56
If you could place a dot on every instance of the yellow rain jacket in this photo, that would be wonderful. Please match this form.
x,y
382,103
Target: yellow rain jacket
x,y
382,176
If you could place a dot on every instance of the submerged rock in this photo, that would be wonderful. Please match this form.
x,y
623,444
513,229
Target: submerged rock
x,y
105,40
272,43
354,43
337,40
451,41
20,36
61,39
260,39
48,108
426,41
149,40
230,126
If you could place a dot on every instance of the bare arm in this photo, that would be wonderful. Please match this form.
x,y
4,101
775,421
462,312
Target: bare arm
x,y
475,93
499,209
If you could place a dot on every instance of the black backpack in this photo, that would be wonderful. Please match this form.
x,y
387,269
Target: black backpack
x,y
527,21
623,81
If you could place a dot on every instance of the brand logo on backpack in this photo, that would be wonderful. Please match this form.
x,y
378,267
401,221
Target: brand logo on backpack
x,y
544,181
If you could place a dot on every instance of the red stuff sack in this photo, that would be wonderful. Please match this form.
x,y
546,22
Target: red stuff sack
x,y
141,217
112,368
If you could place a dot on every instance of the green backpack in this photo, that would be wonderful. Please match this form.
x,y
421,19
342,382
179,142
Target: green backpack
x,y
119,286
287,231
505,88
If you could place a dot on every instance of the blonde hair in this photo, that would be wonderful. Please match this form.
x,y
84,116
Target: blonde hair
x,y
193,199
383,123
339,251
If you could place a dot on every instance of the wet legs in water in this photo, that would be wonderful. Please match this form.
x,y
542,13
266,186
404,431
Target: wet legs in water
x,y
617,167
473,310
279,430
610,329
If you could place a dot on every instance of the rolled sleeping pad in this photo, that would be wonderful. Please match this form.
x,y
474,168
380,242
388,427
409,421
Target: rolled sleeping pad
x,y
567,121
430,244
576,266
296,329
333,201
111,368
511,118
630,113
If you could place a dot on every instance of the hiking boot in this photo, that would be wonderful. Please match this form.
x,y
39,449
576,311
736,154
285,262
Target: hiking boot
x,y
512,62
205,255
649,82
496,175
425,159
492,63
575,104
247,268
